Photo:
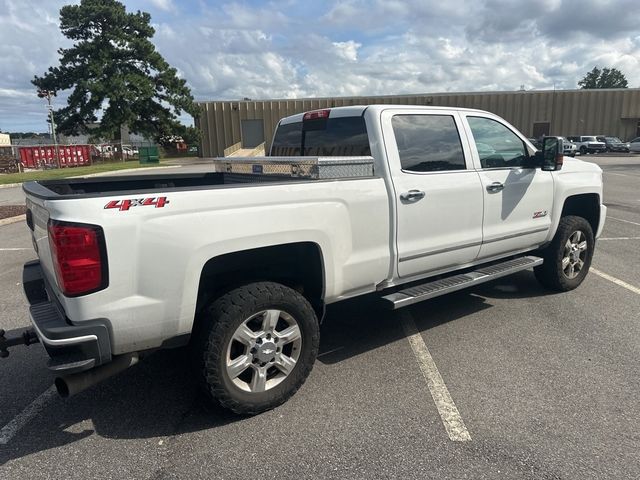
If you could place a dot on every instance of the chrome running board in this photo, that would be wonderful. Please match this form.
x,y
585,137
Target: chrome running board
x,y
452,283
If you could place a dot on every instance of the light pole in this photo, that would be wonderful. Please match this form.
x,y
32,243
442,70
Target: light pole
x,y
48,94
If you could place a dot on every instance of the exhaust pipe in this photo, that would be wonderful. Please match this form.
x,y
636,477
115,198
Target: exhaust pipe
x,y
70,385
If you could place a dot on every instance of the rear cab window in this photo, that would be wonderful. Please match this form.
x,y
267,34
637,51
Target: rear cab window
x,y
322,137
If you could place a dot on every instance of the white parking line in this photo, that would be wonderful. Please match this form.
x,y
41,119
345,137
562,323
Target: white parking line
x,y
620,238
615,280
14,249
622,220
620,174
453,423
24,417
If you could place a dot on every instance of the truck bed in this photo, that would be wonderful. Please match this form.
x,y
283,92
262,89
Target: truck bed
x,y
226,172
132,184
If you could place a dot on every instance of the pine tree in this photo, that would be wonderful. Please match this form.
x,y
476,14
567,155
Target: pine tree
x,y
115,70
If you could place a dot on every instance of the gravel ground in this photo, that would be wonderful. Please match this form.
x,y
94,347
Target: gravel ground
x,y
7,211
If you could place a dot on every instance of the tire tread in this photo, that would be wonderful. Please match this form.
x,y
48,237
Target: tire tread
x,y
220,316
550,273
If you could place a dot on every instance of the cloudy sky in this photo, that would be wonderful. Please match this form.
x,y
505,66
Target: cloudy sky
x,y
302,48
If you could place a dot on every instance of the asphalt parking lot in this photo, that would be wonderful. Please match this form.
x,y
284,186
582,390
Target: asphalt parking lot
x,y
547,386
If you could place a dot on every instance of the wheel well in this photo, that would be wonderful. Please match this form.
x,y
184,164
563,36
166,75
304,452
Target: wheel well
x,y
296,265
586,205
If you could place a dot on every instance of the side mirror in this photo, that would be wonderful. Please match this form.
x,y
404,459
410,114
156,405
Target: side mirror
x,y
551,157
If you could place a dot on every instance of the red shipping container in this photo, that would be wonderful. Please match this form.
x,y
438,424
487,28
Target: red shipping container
x,y
41,156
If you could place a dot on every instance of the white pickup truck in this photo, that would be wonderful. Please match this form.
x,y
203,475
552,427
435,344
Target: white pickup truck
x,y
407,202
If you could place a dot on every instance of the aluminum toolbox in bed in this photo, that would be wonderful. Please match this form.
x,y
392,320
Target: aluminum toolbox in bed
x,y
298,167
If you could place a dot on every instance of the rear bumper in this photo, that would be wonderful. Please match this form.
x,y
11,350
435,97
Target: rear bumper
x,y
72,348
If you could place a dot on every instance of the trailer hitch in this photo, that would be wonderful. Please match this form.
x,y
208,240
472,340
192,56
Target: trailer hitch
x,y
27,337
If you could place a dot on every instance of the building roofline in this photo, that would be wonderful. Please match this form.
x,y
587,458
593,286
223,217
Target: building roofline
x,y
436,94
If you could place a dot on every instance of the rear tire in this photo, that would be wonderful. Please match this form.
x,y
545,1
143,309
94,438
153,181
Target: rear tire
x,y
256,346
568,258
583,150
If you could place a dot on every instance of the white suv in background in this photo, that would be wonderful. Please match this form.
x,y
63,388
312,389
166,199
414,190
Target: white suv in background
x,y
588,144
568,147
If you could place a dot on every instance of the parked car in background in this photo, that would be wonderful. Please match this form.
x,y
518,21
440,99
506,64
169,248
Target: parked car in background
x,y
588,144
105,150
568,147
129,151
634,145
614,144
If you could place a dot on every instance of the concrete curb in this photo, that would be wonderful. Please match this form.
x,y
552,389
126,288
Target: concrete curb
x,y
10,220
10,185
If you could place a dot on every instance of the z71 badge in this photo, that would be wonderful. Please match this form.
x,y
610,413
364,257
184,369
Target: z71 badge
x,y
124,205
540,214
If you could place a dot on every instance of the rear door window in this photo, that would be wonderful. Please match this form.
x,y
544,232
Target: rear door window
x,y
428,143
323,137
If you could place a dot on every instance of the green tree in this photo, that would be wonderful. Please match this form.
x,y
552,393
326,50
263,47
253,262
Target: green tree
x,y
605,78
114,69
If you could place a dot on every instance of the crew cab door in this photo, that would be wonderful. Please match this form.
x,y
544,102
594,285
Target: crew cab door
x,y
517,196
438,195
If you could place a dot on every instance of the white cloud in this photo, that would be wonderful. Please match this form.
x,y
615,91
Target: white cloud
x,y
166,5
347,50
286,49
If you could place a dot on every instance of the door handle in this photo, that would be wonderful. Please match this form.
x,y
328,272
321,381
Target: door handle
x,y
412,196
495,187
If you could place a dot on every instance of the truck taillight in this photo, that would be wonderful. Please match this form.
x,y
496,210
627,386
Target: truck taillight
x,y
79,257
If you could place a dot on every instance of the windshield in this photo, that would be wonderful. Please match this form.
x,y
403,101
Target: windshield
x,y
613,139
589,139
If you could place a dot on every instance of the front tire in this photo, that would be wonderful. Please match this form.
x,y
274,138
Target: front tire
x,y
256,346
568,258
583,150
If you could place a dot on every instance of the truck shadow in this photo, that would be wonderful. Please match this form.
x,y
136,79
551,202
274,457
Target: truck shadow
x,y
159,397
357,326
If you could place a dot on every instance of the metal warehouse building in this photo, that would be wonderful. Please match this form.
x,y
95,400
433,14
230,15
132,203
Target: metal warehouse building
x,y
615,112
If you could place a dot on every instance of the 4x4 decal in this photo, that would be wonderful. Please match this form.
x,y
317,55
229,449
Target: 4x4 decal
x,y
124,205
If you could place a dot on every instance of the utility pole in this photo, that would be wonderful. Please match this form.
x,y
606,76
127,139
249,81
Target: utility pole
x,y
48,94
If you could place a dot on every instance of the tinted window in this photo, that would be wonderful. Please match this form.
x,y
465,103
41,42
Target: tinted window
x,y
333,137
288,140
497,145
428,143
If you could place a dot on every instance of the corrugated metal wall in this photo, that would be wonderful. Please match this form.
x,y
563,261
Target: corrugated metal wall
x,y
569,112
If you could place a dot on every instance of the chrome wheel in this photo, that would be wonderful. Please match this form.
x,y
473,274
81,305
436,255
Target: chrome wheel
x,y
575,252
263,351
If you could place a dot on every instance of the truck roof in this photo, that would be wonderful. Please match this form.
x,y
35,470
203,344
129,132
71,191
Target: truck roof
x,y
355,110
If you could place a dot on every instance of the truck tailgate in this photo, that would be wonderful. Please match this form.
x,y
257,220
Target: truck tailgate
x,y
37,220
